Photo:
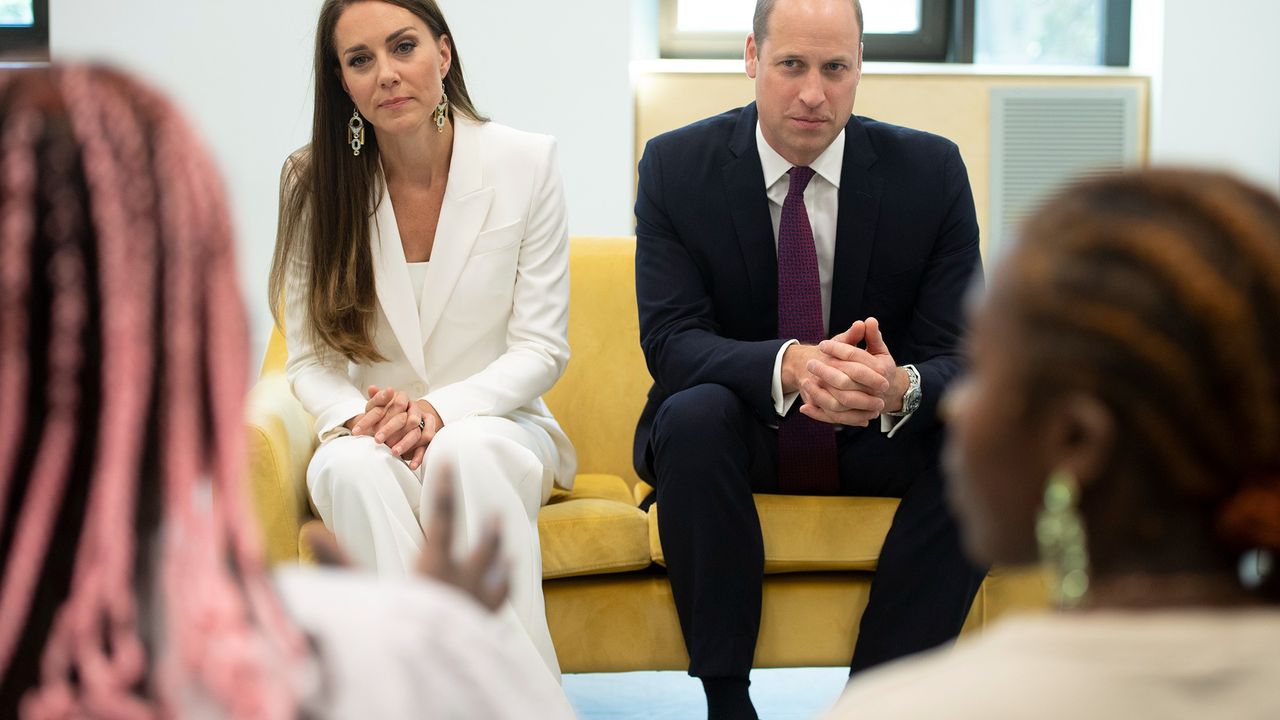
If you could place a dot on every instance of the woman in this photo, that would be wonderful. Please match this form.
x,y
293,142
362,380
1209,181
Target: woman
x,y
132,579
1121,423
423,258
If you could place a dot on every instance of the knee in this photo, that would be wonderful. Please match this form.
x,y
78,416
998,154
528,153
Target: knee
x,y
341,468
470,440
700,415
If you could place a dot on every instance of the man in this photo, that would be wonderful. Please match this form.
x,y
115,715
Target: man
x,y
781,222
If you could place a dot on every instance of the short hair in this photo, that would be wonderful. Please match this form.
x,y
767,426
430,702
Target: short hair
x,y
764,8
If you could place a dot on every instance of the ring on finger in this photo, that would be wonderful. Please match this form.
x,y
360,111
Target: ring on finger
x,y
422,424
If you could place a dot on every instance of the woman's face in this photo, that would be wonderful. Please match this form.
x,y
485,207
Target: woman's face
x,y
995,466
391,65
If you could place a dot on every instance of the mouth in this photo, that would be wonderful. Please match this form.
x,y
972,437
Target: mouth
x,y
392,103
805,123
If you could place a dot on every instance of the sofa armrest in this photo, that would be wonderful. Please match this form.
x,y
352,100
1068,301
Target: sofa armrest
x,y
281,441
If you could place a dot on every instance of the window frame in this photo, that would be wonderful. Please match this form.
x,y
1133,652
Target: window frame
x,y
946,34
27,43
928,44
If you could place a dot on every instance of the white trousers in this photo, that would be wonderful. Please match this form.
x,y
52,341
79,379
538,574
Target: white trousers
x,y
377,506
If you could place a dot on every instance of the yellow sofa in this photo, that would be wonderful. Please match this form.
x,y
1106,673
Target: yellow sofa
x,y
608,601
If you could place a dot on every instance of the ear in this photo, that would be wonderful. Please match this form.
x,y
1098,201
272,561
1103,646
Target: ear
x,y
752,56
342,81
1081,437
446,55
858,69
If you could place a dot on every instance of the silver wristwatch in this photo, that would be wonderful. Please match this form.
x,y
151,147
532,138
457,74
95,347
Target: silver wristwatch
x,y
911,398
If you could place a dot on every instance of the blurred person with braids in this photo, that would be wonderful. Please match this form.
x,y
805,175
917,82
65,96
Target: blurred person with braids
x,y
132,579
423,262
1121,424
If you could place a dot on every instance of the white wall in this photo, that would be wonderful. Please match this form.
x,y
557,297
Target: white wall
x,y
242,71
1216,99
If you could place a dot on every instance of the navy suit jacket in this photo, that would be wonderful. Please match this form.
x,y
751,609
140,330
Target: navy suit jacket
x,y
707,271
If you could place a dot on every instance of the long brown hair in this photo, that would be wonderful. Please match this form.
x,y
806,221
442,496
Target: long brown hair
x,y
1159,293
122,367
327,196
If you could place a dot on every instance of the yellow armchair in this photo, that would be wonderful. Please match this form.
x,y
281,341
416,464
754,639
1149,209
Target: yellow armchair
x,y
608,601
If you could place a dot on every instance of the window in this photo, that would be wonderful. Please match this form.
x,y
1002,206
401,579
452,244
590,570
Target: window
x,y
1050,32
1005,32
896,29
24,30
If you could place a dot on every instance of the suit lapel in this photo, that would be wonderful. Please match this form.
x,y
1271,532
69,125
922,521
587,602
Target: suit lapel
x,y
462,215
860,193
395,289
749,206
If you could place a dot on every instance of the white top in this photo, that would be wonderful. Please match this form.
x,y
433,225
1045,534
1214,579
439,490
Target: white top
x,y
1171,665
418,276
412,648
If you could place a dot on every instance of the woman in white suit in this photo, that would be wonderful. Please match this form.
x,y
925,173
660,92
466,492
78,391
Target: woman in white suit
x,y
423,259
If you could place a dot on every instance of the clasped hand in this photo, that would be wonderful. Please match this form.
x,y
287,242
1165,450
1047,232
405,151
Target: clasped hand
x,y
843,384
405,426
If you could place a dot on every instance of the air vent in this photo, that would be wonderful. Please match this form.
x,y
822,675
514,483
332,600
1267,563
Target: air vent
x,y
1045,138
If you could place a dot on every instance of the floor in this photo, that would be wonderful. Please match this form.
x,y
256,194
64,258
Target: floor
x,y
780,694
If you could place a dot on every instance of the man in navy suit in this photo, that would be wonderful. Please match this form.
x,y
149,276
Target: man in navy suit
x,y
800,275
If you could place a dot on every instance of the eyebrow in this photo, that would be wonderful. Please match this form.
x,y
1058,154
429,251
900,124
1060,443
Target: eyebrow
x,y
390,39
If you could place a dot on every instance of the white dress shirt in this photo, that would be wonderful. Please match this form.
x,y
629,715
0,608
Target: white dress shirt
x,y
822,203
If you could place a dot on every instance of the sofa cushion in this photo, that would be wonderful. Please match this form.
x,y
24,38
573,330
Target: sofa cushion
x,y
593,530
804,533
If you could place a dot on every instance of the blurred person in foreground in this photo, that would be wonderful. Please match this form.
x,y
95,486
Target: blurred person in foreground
x,y
132,579
1121,424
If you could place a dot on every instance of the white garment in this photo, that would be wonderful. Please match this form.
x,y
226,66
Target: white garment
x,y
486,337
410,649
377,506
1172,665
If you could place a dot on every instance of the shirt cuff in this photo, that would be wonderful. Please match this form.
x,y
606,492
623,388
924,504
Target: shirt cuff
x,y
890,425
782,403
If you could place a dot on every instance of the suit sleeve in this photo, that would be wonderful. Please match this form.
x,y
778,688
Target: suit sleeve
x,y
316,373
538,329
679,335
937,322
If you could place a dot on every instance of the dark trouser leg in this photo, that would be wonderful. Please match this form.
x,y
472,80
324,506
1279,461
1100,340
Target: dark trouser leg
x,y
923,585
705,446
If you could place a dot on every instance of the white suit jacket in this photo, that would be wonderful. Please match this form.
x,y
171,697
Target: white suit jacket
x,y
489,335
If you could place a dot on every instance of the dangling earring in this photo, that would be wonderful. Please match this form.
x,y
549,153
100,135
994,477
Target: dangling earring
x,y
441,111
1060,534
355,132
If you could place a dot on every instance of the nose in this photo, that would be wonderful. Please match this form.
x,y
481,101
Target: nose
x,y
811,92
388,77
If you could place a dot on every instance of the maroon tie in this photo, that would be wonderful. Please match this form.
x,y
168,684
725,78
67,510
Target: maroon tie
x,y
806,447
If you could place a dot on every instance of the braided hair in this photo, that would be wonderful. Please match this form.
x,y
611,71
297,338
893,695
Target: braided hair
x,y
131,569
1159,293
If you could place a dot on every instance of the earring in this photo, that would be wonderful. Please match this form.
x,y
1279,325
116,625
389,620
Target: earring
x,y
355,132
441,111
1060,534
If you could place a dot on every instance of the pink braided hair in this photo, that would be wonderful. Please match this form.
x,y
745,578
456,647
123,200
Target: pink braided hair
x,y
162,238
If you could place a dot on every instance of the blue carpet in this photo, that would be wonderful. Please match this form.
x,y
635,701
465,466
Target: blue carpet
x,y
781,694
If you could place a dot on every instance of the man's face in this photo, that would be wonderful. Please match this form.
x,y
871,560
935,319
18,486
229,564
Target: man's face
x,y
806,72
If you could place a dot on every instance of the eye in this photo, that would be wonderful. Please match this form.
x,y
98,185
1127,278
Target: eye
x,y
406,46
790,63
835,67
356,61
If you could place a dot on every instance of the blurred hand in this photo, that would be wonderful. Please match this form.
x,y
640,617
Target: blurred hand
x,y
483,575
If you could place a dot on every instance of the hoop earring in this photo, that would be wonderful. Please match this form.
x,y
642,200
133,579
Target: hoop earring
x,y
355,132
1060,534
441,111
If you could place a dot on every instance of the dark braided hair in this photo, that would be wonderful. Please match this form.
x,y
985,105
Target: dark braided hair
x,y
1158,292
